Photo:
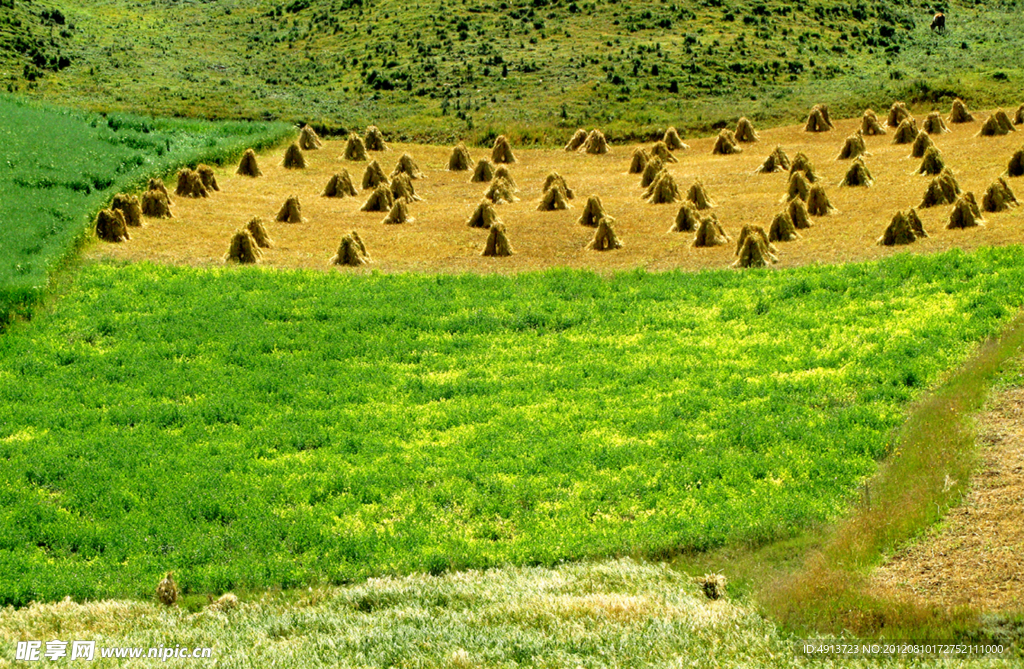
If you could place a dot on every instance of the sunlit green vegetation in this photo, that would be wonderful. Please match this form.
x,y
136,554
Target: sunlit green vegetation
x,y
249,428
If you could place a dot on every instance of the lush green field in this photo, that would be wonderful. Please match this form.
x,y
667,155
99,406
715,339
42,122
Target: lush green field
x,y
247,428
535,69
60,166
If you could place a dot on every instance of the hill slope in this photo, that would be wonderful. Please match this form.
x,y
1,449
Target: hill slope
x,y
440,68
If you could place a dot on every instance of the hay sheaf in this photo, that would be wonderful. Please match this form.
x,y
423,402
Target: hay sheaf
x,y
158,184
309,140
651,172
373,139
853,146
247,166
340,185
293,158
698,195
1018,116
797,187
965,214
556,180
777,161
818,120
921,144
745,131
672,140
857,175
639,160
998,197
593,212
818,203
111,227
958,113
156,204
661,151
605,238
710,233
934,125
208,177
402,189
351,251
406,165
484,216
553,199
898,113
373,176
725,144
906,132
505,173
664,190
291,211
497,244
687,220
167,590
1015,168
596,143
459,160
243,248
577,140
943,189
797,212
355,149
501,191
932,163
483,173
899,232
130,208
915,223
782,229
801,163
996,125
753,248
258,230
501,152
190,184
380,199
399,214
870,125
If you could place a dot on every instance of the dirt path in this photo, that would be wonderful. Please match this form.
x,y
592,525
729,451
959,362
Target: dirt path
x,y
976,557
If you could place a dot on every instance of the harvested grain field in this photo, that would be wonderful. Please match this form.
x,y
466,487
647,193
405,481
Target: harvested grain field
x,y
440,241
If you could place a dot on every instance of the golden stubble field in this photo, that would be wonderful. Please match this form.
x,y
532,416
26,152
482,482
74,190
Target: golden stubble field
x,y
440,241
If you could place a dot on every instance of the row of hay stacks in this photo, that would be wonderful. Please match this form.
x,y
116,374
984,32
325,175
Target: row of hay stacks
x,y
998,123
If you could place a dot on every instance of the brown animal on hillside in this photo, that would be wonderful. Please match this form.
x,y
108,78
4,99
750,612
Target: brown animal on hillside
x,y
939,22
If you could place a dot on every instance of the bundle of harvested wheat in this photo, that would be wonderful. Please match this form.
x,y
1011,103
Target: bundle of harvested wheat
x,y
1018,116
797,212
797,187
699,196
553,199
483,172
710,233
943,189
158,184
965,214
651,172
247,166
664,190
380,199
959,113
291,211
497,244
459,161
777,161
130,208
672,140
906,132
243,248
605,238
501,191
932,163
1015,168
817,201
687,220
853,146
857,175
725,144
374,176
801,163
207,176
293,158
660,150
351,251
484,216
818,120
577,140
596,143
782,229
997,124
639,160
190,184
556,180
156,204
399,214
110,226
898,232
922,143
592,212
340,185
501,152
355,149
869,124
308,139
258,231
402,189
753,248
406,165
998,197
505,173
934,125
373,138
167,590
745,131
898,113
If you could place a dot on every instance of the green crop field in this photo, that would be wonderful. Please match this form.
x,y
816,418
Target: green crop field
x,y
533,69
60,166
251,428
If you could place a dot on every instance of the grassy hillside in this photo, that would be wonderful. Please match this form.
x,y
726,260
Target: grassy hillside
x,y
61,166
440,68
249,428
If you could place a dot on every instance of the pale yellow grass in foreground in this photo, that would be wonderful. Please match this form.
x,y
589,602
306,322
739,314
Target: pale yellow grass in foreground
x,y
439,239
